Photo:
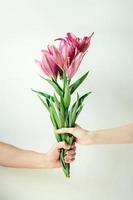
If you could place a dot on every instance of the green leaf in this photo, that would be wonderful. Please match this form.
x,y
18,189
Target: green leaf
x,y
74,111
70,117
67,139
66,124
57,103
57,119
59,110
81,99
71,140
62,114
44,94
77,83
43,102
48,102
62,154
58,138
79,110
52,119
55,85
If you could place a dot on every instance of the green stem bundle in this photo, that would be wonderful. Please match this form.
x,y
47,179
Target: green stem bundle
x,y
61,114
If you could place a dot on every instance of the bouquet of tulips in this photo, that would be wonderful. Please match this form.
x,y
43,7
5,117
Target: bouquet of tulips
x,y
60,63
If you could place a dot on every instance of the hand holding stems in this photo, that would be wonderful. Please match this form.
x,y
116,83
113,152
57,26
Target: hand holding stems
x,y
118,135
81,135
11,156
54,154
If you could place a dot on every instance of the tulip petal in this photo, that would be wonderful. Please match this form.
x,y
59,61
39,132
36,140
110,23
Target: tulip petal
x,y
58,57
39,63
71,36
75,65
46,65
50,49
85,43
52,67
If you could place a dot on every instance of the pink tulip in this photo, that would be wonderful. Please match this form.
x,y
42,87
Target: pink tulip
x,y
66,57
55,55
62,56
67,51
48,66
81,44
72,50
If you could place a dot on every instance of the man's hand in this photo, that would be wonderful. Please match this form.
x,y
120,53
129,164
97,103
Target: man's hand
x,y
54,154
11,156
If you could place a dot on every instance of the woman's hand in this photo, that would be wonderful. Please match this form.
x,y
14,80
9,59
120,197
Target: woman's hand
x,y
81,135
118,135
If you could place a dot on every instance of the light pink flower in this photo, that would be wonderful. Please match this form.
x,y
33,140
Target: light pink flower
x,y
48,66
62,56
66,57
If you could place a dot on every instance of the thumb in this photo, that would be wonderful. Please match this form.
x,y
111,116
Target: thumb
x,y
63,145
65,130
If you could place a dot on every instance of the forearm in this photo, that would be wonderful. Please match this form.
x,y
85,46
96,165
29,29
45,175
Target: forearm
x,y
11,156
120,135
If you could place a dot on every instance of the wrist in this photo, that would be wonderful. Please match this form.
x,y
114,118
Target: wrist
x,y
42,161
48,162
89,138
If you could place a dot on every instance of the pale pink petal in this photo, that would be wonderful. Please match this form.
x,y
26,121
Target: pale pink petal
x,y
50,49
52,65
42,67
58,57
62,45
44,51
46,65
75,65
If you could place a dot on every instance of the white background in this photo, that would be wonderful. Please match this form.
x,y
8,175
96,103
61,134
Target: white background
x,y
100,172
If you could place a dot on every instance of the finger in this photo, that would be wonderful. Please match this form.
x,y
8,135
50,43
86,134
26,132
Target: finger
x,y
73,149
65,130
63,145
69,156
69,160
73,146
71,152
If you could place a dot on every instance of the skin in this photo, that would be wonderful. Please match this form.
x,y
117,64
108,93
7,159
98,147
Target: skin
x,y
11,156
119,135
